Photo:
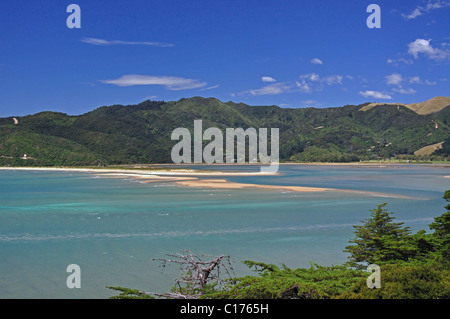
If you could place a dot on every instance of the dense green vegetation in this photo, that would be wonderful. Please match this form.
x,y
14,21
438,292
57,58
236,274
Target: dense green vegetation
x,y
380,240
142,133
412,266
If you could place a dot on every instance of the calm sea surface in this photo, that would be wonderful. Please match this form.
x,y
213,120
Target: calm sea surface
x,y
113,228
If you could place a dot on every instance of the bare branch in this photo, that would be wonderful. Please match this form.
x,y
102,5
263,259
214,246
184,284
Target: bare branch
x,y
196,274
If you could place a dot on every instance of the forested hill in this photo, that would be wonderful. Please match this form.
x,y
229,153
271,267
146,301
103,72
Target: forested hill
x,y
142,133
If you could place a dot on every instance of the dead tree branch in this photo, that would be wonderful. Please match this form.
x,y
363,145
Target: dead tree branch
x,y
196,274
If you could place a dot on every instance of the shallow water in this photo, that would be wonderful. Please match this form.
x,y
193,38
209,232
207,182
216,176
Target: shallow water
x,y
112,228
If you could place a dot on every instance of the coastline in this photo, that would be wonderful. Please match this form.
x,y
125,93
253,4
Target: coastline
x,y
146,168
391,163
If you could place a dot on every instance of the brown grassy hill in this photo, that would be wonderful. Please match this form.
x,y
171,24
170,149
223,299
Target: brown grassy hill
x,y
428,150
433,105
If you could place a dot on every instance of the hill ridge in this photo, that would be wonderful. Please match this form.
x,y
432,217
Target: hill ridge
x,y
430,106
141,133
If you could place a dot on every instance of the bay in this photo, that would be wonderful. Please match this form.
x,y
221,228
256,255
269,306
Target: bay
x,y
113,228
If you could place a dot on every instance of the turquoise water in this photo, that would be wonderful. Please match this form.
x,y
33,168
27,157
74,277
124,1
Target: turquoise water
x,y
112,228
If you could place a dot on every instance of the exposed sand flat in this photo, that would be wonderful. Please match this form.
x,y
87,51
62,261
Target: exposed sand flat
x,y
224,184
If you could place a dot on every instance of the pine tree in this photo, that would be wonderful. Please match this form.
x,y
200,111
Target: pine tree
x,y
441,225
379,240
441,235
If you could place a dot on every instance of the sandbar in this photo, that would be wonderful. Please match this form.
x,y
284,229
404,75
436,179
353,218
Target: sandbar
x,y
223,183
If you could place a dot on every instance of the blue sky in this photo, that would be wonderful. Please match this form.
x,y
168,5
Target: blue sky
x,y
286,53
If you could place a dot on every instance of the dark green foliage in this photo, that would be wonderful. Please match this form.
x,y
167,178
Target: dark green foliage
x,y
405,282
316,282
445,150
441,236
142,133
379,240
260,266
127,293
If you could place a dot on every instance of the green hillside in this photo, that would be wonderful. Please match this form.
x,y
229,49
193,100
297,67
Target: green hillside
x,y
141,133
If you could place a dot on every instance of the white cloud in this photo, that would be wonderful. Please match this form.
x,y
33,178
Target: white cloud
x,y
329,79
170,82
95,41
307,84
396,62
303,86
316,61
418,80
414,80
404,91
268,79
394,79
312,103
420,46
210,87
333,79
397,80
417,12
376,95
314,82
423,46
271,89
311,76
431,5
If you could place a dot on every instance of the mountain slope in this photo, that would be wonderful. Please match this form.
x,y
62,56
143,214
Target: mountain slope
x,y
141,133
431,106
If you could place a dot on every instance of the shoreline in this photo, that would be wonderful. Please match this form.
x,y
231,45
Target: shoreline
x,y
146,168
306,163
